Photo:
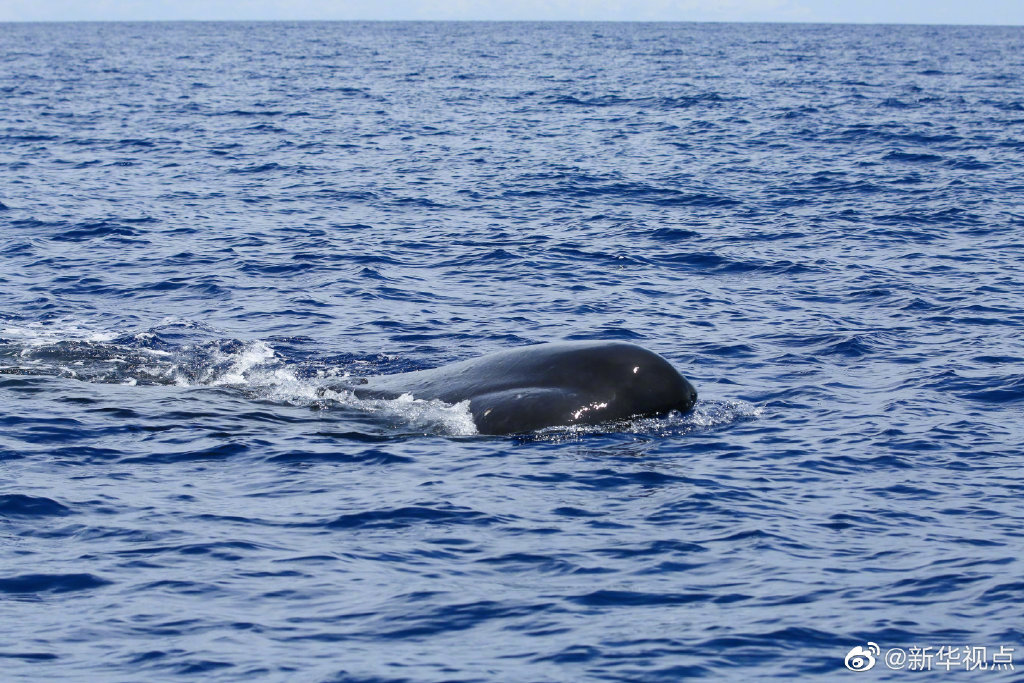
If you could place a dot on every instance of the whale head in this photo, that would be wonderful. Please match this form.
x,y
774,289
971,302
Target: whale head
x,y
635,381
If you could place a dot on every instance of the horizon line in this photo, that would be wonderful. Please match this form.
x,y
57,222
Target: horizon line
x,y
504,21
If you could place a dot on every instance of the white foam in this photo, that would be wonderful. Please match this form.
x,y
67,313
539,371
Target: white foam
x,y
250,357
708,414
418,415
40,334
261,372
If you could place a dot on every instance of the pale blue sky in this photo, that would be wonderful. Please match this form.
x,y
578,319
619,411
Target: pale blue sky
x,y
856,11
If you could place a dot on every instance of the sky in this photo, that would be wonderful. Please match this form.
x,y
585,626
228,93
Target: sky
x,y
1000,12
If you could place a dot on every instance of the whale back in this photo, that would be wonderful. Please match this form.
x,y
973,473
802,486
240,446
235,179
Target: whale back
x,y
562,383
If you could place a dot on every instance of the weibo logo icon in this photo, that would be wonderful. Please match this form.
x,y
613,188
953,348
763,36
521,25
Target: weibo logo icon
x,y
862,658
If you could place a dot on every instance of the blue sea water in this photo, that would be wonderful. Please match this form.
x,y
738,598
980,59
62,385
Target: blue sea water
x,y
205,224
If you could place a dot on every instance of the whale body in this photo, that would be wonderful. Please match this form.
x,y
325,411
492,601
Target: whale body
x,y
545,385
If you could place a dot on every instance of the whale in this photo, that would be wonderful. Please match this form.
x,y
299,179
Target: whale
x,y
557,384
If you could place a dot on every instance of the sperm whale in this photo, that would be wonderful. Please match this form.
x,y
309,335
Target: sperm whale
x,y
544,385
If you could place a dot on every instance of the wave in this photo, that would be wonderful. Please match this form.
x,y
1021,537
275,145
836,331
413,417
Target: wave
x,y
653,103
20,505
50,583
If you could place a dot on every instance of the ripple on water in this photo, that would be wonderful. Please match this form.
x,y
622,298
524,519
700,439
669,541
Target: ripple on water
x,y
818,225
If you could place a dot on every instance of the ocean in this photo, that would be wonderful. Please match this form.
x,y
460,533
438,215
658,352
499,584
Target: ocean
x,y
206,225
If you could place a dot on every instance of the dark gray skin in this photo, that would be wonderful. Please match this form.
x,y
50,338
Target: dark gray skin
x,y
532,387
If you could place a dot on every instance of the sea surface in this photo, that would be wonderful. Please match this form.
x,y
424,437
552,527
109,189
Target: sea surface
x,y
203,226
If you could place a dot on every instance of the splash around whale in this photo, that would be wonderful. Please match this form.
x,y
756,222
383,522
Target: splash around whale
x,y
546,385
